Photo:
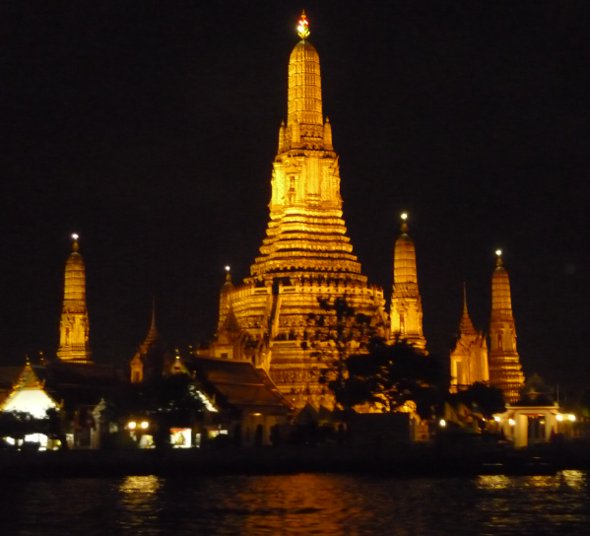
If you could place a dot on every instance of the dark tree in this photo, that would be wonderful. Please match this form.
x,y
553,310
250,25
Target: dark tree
x,y
535,392
335,334
482,399
166,402
390,376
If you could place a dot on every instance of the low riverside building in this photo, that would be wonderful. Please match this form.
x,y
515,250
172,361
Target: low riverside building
x,y
254,408
530,425
29,402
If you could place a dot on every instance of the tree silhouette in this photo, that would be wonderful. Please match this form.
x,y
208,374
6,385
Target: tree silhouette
x,y
388,377
482,398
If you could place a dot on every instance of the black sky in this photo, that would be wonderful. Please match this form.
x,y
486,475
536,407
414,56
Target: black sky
x,y
150,128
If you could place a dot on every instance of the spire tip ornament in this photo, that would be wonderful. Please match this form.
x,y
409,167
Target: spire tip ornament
x,y
303,26
498,253
75,245
404,218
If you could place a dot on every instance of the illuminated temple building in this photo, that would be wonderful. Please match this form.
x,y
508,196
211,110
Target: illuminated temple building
x,y
469,357
152,359
504,361
74,326
282,317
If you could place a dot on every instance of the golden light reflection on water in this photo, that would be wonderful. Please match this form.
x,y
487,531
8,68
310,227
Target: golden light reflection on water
x,y
140,484
493,482
296,504
574,479
139,501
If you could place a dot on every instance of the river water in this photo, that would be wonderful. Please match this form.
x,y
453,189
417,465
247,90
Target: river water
x,y
298,504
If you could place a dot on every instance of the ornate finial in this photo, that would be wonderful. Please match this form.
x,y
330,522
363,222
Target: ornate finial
x,y
303,26
499,257
227,272
404,218
153,321
75,246
464,297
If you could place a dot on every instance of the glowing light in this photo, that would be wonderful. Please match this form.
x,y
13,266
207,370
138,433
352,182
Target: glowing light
x,y
132,425
497,418
32,401
559,417
144,425
256,414
180,438
499,252
404,216
571,417
75,236
442,423
303,26
227,268
206,402
511,422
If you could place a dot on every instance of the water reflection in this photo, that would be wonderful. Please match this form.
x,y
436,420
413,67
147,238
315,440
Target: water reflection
x,y
493,481
542,504
140,484
300,504
139,504
574,479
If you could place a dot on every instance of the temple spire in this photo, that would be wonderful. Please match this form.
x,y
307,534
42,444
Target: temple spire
x,y
504,361
466,325
306,258
304,102
74,326
406,303
469,357
152,334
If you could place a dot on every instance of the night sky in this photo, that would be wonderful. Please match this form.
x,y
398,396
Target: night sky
x,y
150,127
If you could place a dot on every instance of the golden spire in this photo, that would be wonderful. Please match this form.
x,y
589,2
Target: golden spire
x,y
466,325
74,325
504,361
406,303
153,334
404,260
303,26
306,256
306,234
304,104
501,299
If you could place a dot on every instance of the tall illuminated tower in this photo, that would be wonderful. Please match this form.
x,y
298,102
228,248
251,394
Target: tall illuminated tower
x,y
276,317
504,361
74,326
406,303
469,357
